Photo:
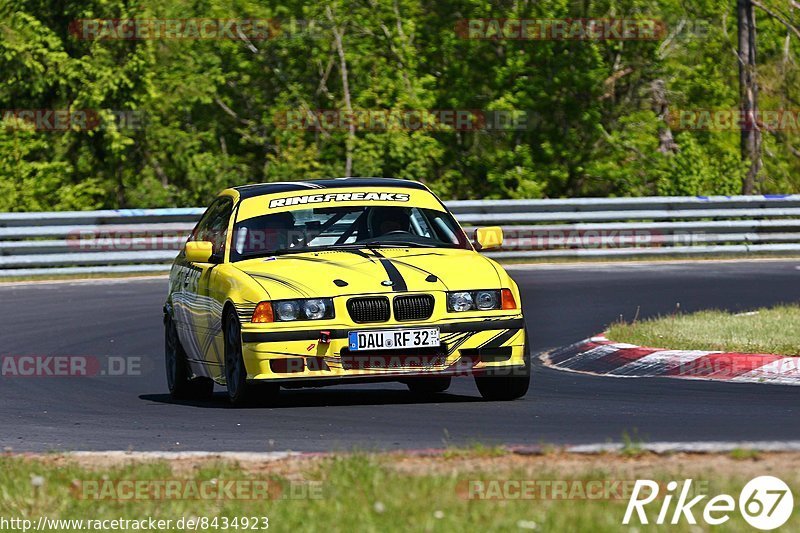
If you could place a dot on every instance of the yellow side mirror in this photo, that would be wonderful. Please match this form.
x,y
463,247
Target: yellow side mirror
x,y
489,237
199,251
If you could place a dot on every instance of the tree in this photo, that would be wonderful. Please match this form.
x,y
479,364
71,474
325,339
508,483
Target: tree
x,y
748,93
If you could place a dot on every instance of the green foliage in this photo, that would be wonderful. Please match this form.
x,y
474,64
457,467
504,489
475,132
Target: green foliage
x,y
212,111
702,167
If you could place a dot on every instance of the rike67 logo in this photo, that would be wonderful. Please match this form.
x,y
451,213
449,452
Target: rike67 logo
x,y
765,503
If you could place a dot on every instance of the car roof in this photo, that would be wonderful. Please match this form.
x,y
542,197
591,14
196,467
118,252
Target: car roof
x,y
259,189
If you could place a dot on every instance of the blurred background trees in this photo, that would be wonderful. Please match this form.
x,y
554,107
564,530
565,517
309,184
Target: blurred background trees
x,y
600,114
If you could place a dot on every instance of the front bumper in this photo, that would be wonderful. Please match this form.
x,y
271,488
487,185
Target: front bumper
x,y
468,347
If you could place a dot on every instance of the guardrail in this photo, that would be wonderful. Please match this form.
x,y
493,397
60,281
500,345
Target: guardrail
x,y
146,240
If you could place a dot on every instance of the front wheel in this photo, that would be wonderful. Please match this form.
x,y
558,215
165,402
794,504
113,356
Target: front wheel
x,y
179,382
240,391
508,387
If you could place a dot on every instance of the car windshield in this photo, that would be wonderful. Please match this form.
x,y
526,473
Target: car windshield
x,y
345,228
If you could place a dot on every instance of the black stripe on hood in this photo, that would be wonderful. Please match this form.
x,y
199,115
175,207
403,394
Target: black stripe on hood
x,y
398,282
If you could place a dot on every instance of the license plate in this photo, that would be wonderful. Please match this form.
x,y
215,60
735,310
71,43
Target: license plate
x,y
393,339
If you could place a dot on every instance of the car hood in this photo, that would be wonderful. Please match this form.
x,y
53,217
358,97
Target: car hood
x,y
334,273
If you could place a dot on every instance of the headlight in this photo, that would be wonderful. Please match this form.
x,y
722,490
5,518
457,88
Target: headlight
x,y
311,309
485,300
460,301
288,310
316,309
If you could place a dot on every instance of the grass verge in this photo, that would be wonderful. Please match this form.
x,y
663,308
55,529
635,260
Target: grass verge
x,y
387,492
773,331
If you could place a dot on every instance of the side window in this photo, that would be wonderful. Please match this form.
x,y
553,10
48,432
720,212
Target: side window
x,y
213,226
420,224
444,228
219,227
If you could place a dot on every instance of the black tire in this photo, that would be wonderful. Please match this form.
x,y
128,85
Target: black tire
x,y
240,391
179,377
429,385
514,384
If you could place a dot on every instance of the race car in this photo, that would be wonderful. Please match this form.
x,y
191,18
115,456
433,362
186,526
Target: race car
x,y
325,282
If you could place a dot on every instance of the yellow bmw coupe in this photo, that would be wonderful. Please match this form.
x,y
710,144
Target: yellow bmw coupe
x,y
305,284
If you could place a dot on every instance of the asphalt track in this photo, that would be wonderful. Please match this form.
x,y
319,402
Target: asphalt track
x,y
563,304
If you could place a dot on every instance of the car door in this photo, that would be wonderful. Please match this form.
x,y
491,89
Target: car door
x,y
202,299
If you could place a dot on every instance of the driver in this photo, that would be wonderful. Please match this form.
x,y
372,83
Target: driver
x,y
265,233
385,220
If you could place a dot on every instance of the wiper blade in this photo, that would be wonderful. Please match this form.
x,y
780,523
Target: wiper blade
x,y
279,251
379,244
285,251
398,244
